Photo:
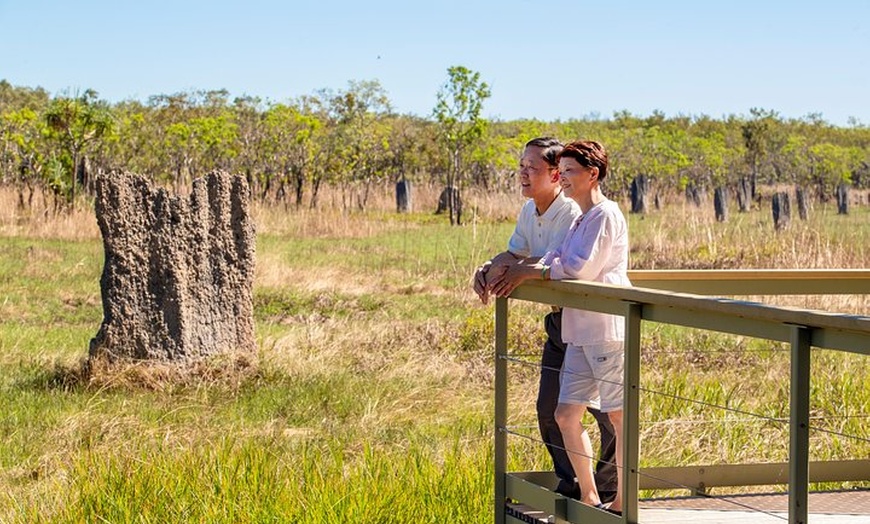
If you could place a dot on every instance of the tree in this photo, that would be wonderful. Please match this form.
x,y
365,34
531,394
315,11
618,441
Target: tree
x,y
249,121
832,165
21,159
289,147
358,115
762,136
458,112
77,123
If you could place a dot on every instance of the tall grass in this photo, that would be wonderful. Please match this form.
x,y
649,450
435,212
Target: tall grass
x,y
369,398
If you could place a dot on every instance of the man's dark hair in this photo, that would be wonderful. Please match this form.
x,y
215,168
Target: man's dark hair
x,y
551,149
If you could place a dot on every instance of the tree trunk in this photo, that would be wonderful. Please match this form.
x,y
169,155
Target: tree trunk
x,y
315,190
451,183
179,272
74,177
299,176
693,195
753,179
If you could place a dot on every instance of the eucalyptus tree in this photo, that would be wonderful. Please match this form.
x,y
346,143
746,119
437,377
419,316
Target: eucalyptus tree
x,y
458,112
213,142
198,133
172,136
414,150
715,162
76,124
492,160
358,134
652,147
290,148
763,137
249,118
133,143
832,165
21,151
15,98
625,148
666,154
795,159
406,144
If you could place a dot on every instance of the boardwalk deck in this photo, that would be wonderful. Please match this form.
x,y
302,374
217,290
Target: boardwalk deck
x,y
840,507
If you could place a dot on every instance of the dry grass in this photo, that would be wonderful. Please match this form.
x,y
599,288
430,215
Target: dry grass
x,y
43,220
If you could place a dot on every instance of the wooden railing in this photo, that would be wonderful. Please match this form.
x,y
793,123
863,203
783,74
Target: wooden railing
x,y
664,297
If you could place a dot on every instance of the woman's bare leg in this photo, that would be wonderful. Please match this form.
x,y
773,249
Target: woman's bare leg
x,y
579,449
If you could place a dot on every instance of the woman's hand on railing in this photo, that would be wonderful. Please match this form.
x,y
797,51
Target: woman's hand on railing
x,y
515,275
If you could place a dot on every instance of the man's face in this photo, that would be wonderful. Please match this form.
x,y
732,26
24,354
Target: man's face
x,y
536,176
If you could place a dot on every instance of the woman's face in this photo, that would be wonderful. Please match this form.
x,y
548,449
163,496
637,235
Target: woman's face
x,y
536,175
576,179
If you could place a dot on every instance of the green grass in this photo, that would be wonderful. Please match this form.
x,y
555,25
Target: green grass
x,y
370,397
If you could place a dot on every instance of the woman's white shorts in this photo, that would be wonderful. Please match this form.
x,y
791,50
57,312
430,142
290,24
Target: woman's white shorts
x,y
593,375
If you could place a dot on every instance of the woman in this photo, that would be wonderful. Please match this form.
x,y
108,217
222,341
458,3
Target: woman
x,y
595,249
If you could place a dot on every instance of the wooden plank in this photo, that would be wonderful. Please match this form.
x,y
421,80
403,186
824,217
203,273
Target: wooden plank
x,y
607,298
500,407
730,282
706,476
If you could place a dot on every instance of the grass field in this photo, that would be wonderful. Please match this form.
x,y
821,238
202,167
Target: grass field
x,y
370,396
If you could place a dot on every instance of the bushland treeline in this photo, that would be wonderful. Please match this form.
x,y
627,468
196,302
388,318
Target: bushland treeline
x,y
353,140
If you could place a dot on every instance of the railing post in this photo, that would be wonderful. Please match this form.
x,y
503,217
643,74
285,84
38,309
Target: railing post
x,y
630,414
799,428
501,334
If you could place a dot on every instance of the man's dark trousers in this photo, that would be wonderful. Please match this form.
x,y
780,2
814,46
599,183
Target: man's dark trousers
x,y
548,399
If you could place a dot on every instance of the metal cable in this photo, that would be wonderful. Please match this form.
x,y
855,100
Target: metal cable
x,y
845,435
767,418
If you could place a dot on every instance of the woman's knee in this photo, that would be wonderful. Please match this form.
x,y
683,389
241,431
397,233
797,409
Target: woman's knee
x,y
568,415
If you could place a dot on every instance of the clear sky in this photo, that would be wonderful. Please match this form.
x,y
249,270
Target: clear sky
x,y
546,60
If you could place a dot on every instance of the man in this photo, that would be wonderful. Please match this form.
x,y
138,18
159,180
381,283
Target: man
x,y
541,226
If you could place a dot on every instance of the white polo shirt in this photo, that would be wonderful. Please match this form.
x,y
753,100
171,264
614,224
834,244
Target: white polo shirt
x,y
535,235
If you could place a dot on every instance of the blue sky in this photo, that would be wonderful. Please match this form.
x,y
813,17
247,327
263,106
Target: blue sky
x,y
546,60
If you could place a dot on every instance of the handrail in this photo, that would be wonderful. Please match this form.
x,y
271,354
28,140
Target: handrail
x,y
830,330
670,304
729,282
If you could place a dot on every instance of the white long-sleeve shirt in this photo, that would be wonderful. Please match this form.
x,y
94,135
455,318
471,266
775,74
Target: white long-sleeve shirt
x,y
595,249
535,234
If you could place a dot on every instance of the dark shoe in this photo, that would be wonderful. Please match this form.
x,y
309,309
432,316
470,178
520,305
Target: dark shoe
x,y
570,491
607,496
605,507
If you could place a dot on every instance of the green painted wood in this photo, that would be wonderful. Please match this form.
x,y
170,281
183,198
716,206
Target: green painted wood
x,y
500,452
672,305
631,404
799,426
